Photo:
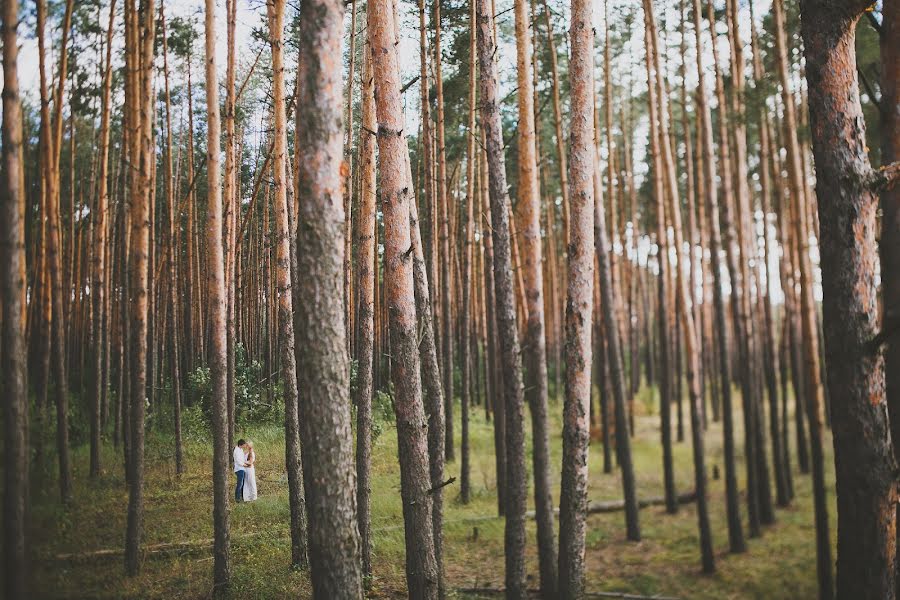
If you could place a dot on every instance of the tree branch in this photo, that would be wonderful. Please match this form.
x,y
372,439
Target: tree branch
x,y
884,178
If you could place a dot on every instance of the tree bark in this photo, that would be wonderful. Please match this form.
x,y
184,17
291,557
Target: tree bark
x,y
507,328
576,411
534,344
142,24
287,358
216,305
866,497
396,196
13,305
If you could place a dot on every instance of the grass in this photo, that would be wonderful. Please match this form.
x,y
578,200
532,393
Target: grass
x,y
780,564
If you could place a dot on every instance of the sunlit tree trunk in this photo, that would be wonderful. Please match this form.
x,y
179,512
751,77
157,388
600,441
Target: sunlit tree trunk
x,y
576,412
846,190
217,299
396,195
507,329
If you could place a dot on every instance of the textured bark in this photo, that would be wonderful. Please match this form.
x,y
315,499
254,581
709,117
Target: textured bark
x,y
366,311
732,502
495,397
534,344
866,497
396,196
140,65
216,305
287,358
890,206
431,383
323,369
507,329
576,411
12,303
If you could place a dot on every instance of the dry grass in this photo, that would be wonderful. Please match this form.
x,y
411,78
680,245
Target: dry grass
x,y
781,564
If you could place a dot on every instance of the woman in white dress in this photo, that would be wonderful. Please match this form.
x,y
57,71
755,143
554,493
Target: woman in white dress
x,y
250,477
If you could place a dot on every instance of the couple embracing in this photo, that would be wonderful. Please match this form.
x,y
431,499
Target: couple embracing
x,y
245,471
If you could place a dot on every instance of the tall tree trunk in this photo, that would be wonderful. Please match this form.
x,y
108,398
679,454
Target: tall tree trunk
x,y
847,196
690,332
534,344
287,356
324,369
732,502
366,310
13,304
52,144
663,293
576,412
98,289
140,65
396,195
442,205
466,279
815,396
507,328
217,298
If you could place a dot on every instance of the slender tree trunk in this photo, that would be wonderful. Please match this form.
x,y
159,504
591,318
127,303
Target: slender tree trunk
x,y
13,305
814,393
534,343
396,196
732,502
217,299
287,356
663,322
507,328
98,288
690,332
576,412
366,310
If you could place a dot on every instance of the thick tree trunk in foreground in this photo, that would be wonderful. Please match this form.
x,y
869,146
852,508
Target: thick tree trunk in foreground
x,y
396,196
215,290
579,308
275,13
13,377
507,329
324,369
866,497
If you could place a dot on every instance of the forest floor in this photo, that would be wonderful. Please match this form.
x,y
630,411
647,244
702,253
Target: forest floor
x,y
780,564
